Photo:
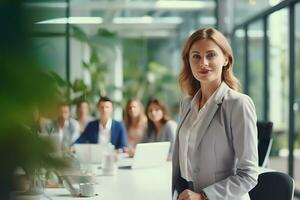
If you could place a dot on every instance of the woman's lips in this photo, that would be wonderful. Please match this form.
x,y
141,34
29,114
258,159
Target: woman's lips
x,y
203,71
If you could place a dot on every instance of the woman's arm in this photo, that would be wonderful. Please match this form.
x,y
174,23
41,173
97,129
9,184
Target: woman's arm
x,y
244,136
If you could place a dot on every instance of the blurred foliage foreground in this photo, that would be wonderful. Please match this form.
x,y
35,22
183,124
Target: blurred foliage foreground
x,y
24,87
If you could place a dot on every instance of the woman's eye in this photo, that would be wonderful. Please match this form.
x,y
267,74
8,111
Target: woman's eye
x,y
211,55
196,56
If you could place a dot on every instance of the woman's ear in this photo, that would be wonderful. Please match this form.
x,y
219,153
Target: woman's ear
x,y
226,61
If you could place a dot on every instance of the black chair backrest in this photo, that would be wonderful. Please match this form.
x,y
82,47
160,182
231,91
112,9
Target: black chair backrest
x,y
273,185
264,131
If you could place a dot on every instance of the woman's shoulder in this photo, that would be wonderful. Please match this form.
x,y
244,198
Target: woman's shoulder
x,y
143,120
171,125
235,99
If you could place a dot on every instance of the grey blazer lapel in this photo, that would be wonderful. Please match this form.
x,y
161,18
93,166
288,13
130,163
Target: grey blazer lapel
x,y
212,109
186,112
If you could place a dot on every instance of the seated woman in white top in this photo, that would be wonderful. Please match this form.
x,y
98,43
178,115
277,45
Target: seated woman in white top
x,y
160,127
135,122
83,114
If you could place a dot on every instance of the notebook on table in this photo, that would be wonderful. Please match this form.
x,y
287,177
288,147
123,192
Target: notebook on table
x,y
147,155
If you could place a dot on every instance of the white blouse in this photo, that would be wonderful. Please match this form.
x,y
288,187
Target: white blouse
x,y
105,132
188,134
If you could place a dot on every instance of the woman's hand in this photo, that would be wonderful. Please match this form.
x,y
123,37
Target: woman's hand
x,y
189,195
130,151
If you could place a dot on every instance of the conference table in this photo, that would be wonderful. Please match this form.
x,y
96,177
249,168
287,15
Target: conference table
x,y
125,184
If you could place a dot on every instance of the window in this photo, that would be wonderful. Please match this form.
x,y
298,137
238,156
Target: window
x,y
53,53
278,79
297,98
256,66
239,55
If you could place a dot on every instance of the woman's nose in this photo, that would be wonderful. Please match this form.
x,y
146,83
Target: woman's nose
x,y
203,62
153,112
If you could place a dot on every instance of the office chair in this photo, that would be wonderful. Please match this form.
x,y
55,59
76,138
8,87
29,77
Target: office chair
x,y
273,185
265,140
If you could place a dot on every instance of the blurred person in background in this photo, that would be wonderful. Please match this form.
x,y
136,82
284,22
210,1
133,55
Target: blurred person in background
x,y
38,123
105,129
160,127
135,122
83,114
215,154
66,128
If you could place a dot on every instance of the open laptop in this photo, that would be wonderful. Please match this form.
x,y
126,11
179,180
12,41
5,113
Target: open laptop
x,y
89,153
147,155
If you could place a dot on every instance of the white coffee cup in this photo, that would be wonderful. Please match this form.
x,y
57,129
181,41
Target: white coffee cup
x,y
86,189
108,165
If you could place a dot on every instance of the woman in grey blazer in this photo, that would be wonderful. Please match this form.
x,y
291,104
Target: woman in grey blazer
x,y
215,153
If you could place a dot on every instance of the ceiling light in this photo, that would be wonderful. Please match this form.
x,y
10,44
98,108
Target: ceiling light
x,y
73,20
147,20
207,20
180,4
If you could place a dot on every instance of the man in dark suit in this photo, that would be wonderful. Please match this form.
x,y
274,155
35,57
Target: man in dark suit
x,y
105,129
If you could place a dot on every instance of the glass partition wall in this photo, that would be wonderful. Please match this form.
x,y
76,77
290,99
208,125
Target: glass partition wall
x,y
278,81
256,70
297,97
239,52
271,75
49,39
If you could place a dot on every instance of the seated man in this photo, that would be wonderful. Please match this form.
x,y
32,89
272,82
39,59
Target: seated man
x,y
64,127
105,129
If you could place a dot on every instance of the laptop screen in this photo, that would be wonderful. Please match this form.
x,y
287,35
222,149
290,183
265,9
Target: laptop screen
x,y
150,155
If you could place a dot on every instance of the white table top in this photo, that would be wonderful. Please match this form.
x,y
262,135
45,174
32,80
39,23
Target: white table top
x,y
126,184
131,184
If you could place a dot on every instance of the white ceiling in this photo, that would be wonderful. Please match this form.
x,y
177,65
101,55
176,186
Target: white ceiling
x,y
133,18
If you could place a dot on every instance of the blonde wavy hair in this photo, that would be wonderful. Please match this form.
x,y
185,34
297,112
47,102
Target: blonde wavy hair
x,y
128,118
187,81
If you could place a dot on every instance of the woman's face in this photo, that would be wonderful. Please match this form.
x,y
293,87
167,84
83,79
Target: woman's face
x,y
83,109
154,112
134,109
207,60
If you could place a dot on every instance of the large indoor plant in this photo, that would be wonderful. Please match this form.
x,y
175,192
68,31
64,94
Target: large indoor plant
x,y
24,86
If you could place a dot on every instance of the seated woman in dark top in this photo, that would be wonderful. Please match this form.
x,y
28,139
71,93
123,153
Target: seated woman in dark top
x,y
160,127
